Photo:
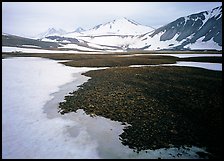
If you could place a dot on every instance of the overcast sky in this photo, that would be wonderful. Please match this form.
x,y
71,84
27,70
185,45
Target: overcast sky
x,y
32,18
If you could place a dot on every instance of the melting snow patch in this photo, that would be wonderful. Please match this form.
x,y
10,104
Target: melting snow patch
x,y
209,66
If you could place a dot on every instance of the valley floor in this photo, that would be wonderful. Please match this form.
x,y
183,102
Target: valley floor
x,y
166,106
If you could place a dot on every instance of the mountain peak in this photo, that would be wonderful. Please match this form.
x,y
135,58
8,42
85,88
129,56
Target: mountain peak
x,y
120,26
53,29
125,20
51,32
79,29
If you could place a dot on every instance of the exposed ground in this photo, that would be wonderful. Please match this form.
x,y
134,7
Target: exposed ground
x,y
166,106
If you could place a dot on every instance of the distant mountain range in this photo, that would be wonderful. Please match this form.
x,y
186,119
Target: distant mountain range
x,y
51,32
198,31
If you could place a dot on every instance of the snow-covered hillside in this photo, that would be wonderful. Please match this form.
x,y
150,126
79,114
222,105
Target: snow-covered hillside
x,y
197,31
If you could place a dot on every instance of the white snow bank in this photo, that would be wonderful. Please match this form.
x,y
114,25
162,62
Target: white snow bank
x,y
31,46
85,51
175,55
29,50
75,46
199,44
27,132
209,66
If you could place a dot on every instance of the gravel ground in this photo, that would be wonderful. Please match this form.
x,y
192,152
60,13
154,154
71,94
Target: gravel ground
x,y
165,106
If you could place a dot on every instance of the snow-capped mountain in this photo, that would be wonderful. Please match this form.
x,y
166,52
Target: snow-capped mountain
x,y
197,31
117,34
121,26
201,31
51,32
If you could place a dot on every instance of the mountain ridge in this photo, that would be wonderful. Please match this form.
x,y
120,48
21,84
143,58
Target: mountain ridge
x,y
116,27
51,32
197,31
187,30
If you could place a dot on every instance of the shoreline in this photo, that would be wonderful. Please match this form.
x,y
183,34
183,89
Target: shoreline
x,y
110,148
64,90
